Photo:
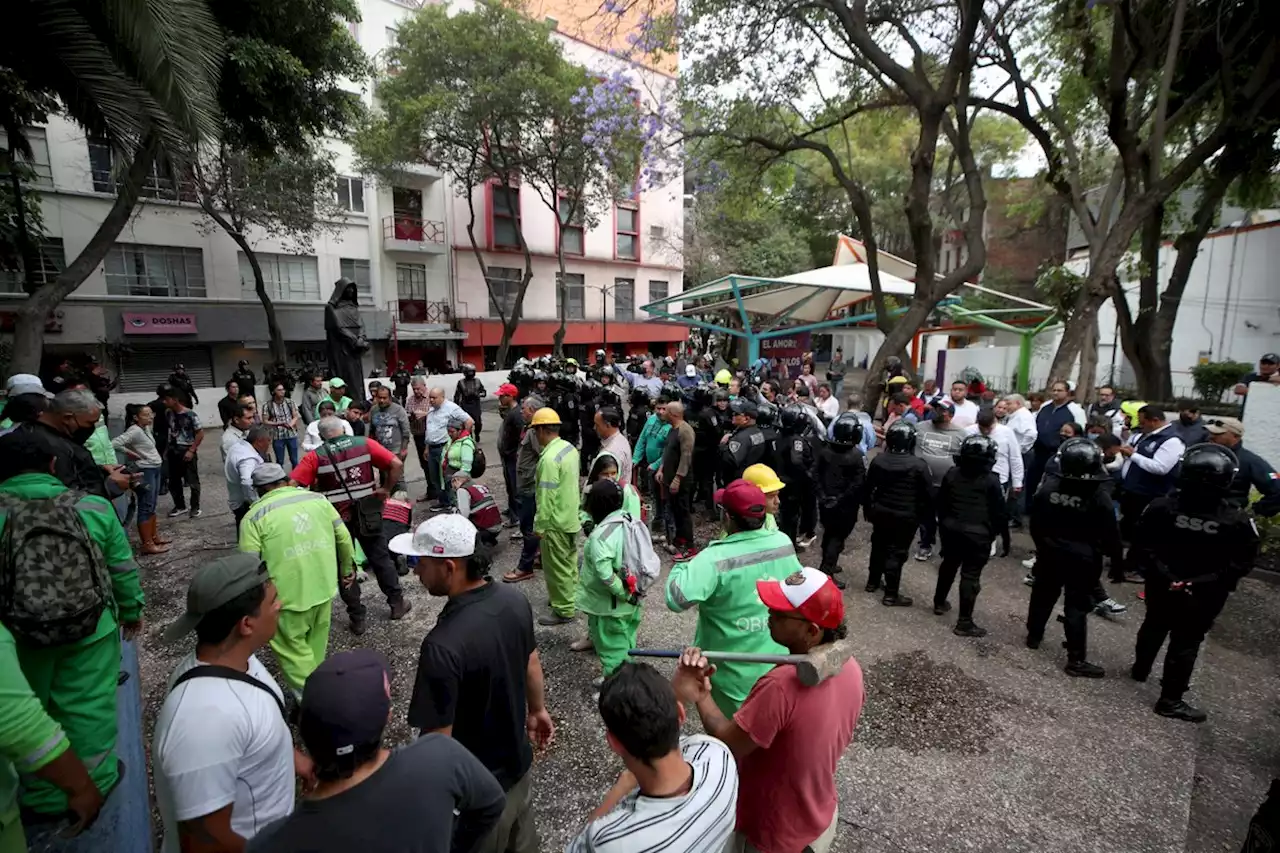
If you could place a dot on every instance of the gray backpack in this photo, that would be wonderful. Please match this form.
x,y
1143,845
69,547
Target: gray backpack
x,y
54,582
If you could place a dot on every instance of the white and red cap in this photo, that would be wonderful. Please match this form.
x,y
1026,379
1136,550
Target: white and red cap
x,y
442,537
809,592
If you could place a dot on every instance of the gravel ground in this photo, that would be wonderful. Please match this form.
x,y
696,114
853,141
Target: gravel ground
x,y
963,744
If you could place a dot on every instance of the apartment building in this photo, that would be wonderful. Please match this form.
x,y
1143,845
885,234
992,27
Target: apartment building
x,y
174,287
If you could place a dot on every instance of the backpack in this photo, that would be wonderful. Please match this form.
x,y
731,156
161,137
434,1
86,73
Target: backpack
x,y
640,564
54,582
478,461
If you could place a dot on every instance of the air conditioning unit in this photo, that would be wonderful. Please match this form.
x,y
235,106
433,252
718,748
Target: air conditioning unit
x,y
657,232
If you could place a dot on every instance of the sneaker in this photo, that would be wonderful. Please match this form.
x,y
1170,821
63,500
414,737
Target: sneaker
x,y
596,684
196,513
995,546
1109,606
177,511
968,629
941,607
1084,669
686,555
658,538
1029,563
551,620
400,608
517,535
1030,579
1179,710
806,541
670,548
896,601
510,523
923,553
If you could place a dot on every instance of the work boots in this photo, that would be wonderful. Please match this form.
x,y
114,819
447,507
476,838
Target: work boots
x,y
147,534
1179,710
829,568
1084,669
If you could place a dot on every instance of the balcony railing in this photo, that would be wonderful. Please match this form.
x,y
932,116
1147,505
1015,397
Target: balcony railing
x,y
410,229
422,311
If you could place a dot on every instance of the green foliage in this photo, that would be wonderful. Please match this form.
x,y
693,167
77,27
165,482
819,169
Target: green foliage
x,y
1059,287
1212,379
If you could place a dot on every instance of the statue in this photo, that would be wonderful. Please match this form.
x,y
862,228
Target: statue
x,y
344,333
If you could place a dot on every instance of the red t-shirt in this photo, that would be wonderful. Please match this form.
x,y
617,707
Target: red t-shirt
x,y
304,473
787,787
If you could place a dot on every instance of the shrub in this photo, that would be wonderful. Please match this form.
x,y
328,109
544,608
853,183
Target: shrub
x,y
1215,378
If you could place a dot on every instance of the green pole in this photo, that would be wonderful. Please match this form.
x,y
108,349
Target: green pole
x,y
1024,361
753,350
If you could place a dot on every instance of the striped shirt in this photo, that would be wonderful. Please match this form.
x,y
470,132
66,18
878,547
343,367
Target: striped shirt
x,y
701,821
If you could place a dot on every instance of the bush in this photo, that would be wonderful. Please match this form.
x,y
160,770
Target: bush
x,y
1215,378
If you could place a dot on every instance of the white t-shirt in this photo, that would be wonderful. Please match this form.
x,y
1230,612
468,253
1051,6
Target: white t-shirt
x,y
966,413
701,820
220,741
311,440
830,408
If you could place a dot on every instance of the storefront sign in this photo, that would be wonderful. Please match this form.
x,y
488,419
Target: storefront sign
x,y
787,350
159,324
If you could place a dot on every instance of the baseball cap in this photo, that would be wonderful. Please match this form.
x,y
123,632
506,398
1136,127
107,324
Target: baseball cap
x,y
945,404
506,389
25,383
743,406
213,586
1270,358
742,499
442,536
345,704
690,370
809,592
1222,427
336,382
267,473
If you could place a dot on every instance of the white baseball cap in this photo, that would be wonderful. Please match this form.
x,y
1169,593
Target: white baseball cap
x,y
441,536
690,370
25,383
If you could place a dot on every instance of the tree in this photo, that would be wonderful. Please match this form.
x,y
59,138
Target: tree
x,y
142,75
466,92
282,93
1151,97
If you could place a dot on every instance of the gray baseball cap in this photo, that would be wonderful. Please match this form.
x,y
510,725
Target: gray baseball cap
x,y
213,586
267,473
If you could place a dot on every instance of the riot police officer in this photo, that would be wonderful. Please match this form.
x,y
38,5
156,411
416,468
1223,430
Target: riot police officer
x,y
282,375
637,414
838,474
588,395
245,378
1194,547
564,399
795,455
767,420
467,394
898,497
971,512
745,446
1073,525
401,379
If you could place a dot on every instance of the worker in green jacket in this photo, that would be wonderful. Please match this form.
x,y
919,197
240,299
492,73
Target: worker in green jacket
x,y
75,682
721,582
308,550
613,611
32,743
556,519
459,454
646,457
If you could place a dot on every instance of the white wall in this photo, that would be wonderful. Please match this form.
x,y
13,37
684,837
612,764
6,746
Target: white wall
x,y
1260,434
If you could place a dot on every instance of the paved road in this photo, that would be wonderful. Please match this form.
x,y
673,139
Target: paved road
x,y
964,745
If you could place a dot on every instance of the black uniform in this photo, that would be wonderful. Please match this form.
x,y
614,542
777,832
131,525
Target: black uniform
x,y
587,406
245,378
838,475
799,503
1255,473
971,511
1204,548
1073,525
707,432
745,447
182,382
637,414
468,394
401,380
282,375
898,496
101,385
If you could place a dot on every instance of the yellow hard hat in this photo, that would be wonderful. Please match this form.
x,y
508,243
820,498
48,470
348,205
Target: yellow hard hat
x,y
724,377
546,416
764,477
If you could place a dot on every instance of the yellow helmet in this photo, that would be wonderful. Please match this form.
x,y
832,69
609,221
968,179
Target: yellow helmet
x,y
764,477
546,416
724,377
1130,410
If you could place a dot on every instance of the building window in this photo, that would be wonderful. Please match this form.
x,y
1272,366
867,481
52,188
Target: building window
x,y
350,193
628,228
358,271
575,289
154,271
571,229
161,181
41,171
504,285
624,298
288,278
506,217
391,62
52,261
411,281
657,290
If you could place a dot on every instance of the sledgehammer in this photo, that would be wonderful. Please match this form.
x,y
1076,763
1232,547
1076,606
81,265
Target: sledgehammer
x,y
819,664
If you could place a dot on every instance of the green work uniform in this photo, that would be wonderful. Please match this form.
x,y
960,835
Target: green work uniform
x,y
76,682
304,543
612,620
29,739
99,444
340,405
459,455
721,581
557,523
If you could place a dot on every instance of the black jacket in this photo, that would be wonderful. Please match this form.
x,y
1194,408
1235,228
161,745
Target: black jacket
x,y
1257,473
795,455
183,383
971,504
246,379
838,476
510,433
1178,542
899,488
1075,522
744,448
566,405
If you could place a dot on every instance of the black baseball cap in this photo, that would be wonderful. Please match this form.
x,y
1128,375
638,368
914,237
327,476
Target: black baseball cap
x,y
345,704
1270,358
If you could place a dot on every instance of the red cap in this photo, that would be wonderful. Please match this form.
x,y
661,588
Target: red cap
x,y
506,389
743,499
809,592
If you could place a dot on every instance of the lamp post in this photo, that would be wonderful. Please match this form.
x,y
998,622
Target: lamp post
x,y
605,290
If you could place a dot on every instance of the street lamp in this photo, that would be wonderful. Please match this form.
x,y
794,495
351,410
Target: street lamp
x,y
605,290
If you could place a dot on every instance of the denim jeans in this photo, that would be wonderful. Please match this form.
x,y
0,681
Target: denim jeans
x,y
280,445
147,496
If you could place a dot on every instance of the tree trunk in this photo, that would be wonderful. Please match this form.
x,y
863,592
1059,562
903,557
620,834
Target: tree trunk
x,y
1088,374
268,307
894,342
563,291
28,332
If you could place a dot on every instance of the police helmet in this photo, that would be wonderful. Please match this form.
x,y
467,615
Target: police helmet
x,y
793,419
977,450
847,430
539,376
743,406
1207,467
766,413
722,396
900,438
1080,459
670,392
469,370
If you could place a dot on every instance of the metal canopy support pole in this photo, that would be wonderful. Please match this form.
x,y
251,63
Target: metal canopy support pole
x,y
1024,360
